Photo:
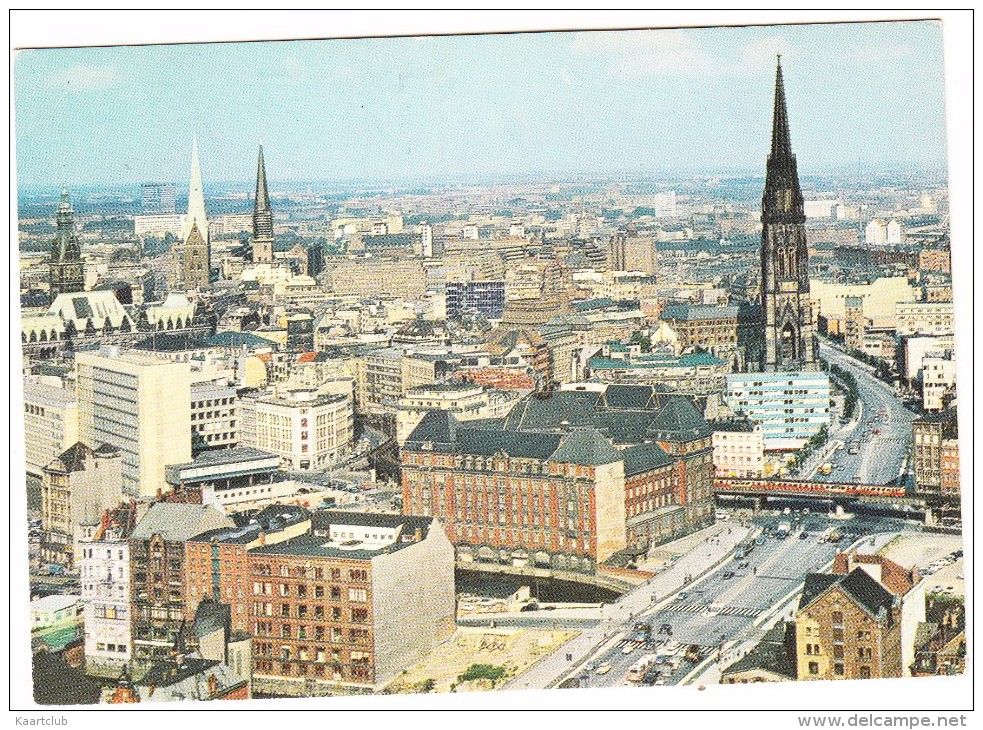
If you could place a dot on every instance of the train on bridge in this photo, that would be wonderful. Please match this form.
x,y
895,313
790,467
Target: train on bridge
x,y
792,488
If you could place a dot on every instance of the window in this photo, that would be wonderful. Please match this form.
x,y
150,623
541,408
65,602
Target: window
x,y
813,668
357,594
838,670
837,617
865,672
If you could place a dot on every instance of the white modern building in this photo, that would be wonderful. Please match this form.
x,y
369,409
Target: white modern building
x,y
738,449
790,407
214,415
310,431
924,318
50,419
140,404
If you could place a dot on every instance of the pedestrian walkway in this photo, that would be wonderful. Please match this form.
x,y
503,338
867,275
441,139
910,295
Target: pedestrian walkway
x,y
704,608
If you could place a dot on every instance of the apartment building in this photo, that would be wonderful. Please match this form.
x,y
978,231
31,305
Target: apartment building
x,y
75,488
104,580
216,561
351,604
738,449
157,576
936,454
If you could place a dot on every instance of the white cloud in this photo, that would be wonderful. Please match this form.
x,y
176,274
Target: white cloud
x,y
85,78
676,53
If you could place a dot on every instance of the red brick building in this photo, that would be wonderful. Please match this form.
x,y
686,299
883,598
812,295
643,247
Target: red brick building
x,y
217,565
350,604
566,480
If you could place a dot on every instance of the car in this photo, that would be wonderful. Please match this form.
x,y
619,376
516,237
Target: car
x,y
804,535
603,668
728,574
590,666
760,541
743,565
681,596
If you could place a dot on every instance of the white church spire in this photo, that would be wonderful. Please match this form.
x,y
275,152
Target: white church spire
x,y
196,198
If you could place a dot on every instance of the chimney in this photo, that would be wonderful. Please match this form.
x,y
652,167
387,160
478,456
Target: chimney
x,y
262,538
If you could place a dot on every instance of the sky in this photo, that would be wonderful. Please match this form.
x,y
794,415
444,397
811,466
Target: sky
x,y
655,103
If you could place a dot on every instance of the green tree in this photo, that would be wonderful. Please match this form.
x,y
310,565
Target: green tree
x,y
482,671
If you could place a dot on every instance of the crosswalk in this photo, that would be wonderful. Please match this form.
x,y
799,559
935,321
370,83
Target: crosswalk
x,y
725,611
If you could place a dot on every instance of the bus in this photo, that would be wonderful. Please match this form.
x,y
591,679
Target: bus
x,y
637,671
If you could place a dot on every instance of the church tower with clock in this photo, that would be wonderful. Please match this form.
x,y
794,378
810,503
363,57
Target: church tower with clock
x,y
66,270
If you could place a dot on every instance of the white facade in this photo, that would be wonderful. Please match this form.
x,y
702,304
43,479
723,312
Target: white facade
x,y
917,348
876,233
141,405
938,379
791,407
924,318
738,454
894,232
309,431
158,226
50,420
104,571
214,415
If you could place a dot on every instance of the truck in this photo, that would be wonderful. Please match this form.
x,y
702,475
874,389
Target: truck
x,y
784,528
637,670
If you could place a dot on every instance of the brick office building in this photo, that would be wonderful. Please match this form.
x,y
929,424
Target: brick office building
x,y
351,604
566,479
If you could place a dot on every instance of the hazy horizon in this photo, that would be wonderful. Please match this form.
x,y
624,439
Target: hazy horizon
x,y
604,103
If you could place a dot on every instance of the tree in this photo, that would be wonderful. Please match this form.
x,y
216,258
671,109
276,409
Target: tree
x,y
482,671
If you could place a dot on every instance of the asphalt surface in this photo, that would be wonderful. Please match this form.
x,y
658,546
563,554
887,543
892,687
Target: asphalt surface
x,y
718,613
882,456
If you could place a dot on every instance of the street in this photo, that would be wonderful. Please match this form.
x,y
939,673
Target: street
x,y
881,456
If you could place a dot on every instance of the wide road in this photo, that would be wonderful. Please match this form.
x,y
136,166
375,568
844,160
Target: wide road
x,y
723,609
882,456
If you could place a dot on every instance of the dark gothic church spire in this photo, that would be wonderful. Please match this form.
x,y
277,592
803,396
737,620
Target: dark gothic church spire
x,y
785,301
262,214
782,201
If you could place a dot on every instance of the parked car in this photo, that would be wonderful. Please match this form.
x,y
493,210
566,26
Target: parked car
x,y
604,668
728,574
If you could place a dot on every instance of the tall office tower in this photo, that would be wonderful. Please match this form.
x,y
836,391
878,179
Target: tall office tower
x,y
141,405
262,217
786,308
193,256
67,274
158,198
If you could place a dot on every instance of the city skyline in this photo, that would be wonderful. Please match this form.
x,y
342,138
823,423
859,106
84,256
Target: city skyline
x,y
607,102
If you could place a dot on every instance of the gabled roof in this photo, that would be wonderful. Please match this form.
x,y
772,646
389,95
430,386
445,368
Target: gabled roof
x,y
678,417
179,522
858,585
586,446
